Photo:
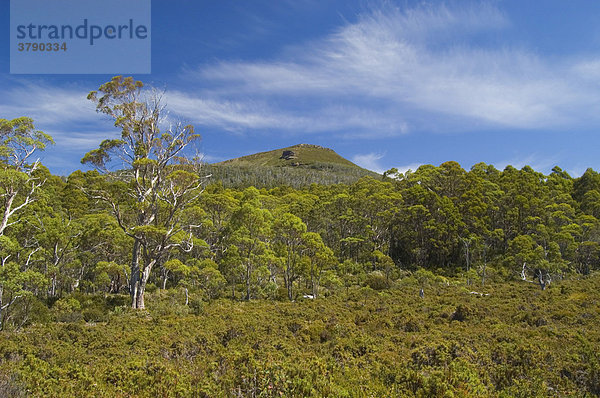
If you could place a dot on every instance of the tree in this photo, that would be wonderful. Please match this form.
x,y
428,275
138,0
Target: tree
x,y
161,189
529,255
19,140
109,275
320,257
250,227
175,268
588,256
289,231
211,280
57,240
19,184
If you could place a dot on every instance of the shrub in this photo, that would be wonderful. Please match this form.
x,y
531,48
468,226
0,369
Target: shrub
x,y
10,387
461,313
94,315
151,288
377,281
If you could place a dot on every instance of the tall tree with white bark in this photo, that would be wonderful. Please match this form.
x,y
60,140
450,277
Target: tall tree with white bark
x,y
157,182
19,184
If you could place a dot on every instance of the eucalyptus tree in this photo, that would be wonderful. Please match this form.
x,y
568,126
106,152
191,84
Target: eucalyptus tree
x,y
219,206
20,182
320,257
153,190
57,238
289,231
249,231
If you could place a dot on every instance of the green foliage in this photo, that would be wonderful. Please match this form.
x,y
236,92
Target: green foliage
x,y
246,175
483,226
363,343
211,281
19,139
377,280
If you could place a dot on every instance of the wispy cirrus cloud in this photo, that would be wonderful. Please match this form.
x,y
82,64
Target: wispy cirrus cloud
x,y
369,161
241,115
47,104
534,160
375,162
64,113
394,70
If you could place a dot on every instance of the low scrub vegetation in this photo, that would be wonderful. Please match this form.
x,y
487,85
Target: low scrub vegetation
x,y
511,340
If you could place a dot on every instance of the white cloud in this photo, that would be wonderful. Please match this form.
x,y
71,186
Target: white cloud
x,y
46,104
229,115
412,167
542,164
369,161
240,115
588,69
64,113
395,70
81,141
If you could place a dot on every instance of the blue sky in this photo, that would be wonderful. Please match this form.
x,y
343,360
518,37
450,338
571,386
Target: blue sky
x,y
384,83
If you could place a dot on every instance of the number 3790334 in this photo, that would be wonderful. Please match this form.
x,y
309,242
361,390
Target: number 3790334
x,y
42,46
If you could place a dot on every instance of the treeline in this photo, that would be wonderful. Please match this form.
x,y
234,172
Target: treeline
x,y
243,176
283,242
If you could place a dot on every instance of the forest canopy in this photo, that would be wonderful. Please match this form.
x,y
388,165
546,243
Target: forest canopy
x,y
249,243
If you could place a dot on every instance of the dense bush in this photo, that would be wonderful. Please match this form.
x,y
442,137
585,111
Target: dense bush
x,y
360,343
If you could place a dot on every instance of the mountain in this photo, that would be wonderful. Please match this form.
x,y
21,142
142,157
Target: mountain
x,y
299,165
294,156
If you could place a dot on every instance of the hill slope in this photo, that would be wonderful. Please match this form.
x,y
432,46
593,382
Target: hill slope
x,y
295,156
297,166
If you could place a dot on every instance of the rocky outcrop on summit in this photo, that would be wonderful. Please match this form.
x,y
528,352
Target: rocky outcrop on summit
x,y
287,155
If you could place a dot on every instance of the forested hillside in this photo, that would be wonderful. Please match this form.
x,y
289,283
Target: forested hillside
x,y
478,243
249,175
296,166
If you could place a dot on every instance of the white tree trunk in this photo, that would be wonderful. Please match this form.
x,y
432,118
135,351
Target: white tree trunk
x,y
134,283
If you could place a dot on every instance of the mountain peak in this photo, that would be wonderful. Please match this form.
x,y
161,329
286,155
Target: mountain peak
x,y
298,155
297,165
311,146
